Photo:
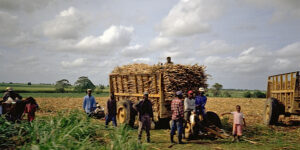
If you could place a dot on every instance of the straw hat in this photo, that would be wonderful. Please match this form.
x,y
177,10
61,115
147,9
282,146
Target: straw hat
x,y
201,89
89,90
9,89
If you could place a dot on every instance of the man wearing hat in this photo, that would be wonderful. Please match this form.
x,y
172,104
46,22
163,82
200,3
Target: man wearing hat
x,y
177,117
89,102
12,94
189,105
144,108
200,102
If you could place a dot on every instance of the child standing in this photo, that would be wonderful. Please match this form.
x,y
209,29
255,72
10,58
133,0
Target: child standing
x,y
238,123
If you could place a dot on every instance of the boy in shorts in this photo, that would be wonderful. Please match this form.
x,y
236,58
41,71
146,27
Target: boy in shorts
x,y
238,123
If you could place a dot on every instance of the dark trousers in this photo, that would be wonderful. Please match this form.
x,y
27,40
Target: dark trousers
x,y
177,124
109,118
144,124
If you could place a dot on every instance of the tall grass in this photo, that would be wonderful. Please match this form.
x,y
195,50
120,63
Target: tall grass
x,y
121,139
66,130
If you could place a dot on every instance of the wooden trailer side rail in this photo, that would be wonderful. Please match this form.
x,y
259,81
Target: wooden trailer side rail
x,y
284,87
122,91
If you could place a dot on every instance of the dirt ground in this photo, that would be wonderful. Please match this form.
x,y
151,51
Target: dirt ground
x,y
265,138
252,108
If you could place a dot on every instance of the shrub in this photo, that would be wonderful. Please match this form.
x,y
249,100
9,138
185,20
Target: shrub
x,y
226,94
247,94
259,94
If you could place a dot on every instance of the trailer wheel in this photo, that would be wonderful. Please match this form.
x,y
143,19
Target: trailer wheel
x,y
125,113
271,112
212,118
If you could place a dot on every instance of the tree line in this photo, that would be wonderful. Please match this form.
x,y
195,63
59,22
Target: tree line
x,y
81,85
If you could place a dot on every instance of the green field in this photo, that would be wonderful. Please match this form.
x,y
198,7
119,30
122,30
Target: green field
x,y
48,90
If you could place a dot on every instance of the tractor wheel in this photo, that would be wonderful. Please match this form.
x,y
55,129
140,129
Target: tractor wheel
x,y
125,113
212,118
271,112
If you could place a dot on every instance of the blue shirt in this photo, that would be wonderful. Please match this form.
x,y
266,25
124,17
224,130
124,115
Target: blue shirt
x,y
200,101
89,103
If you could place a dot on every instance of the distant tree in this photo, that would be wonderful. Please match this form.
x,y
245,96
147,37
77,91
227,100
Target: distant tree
x,y
259,94
29,83
83,83
247,94
226,94
101,86
216,89
61,85
10,82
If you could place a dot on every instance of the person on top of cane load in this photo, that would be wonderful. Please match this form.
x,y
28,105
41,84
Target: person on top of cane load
x,y
200,101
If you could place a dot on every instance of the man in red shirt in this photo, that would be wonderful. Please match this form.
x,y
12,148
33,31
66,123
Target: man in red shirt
x,y
177,117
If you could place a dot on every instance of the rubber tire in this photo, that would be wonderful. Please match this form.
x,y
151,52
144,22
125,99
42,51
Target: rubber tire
x,y
212,118
130,113
271,112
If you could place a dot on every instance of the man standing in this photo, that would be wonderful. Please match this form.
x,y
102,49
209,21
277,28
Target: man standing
x,y
189,105
89,103
177,117
111,107
12,94
200,102
144,108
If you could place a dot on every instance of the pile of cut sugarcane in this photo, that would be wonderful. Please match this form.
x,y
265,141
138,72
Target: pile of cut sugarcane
x,y
175,77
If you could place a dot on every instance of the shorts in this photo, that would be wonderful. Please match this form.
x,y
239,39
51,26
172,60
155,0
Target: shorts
x,y
237,129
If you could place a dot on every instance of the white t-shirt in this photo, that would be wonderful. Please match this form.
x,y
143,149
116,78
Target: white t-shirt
x,y
237,117
189,104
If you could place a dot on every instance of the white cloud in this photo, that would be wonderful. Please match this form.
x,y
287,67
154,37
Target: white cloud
x,y
291,50
112,38
190,17
75,63
8,24
67,25
250,60
215,47
282,9
161,42
256,60
26,5
133,51
141,60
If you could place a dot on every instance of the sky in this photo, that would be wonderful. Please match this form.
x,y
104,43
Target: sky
x,y
241,42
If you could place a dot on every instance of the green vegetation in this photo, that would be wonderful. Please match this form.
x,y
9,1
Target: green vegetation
x,y
83,83
49,90
216,89
67,130
61,85
254,94
235,93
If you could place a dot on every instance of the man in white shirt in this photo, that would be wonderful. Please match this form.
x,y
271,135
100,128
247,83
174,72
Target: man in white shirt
x,y
189,105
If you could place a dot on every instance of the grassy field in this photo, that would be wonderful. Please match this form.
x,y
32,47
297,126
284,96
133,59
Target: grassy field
x,y
262,137
48,90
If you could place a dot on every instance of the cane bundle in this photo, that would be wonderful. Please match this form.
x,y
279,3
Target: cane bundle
x,y
140,78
